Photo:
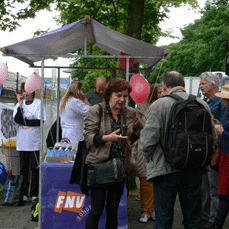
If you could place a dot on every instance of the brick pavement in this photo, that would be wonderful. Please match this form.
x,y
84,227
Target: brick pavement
x,y
19,217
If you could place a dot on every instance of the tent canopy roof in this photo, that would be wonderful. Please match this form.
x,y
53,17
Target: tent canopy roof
x,y
72,37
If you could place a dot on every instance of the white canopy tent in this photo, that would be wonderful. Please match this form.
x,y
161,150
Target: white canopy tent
x,y
73,37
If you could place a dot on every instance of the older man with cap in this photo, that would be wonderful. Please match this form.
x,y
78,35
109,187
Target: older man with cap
x,y
96,96
209,86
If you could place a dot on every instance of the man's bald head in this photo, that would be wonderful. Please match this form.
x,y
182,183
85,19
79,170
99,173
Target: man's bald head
x,y
100,85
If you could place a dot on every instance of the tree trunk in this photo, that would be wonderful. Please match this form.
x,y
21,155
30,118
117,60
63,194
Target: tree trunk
x,y
135,18
135,12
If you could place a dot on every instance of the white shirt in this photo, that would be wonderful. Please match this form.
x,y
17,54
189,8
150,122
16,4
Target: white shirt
x,y
28,138
72,119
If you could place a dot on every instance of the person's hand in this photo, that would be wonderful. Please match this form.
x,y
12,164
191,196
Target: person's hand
x,y
81,95
135,152
19,99
219,129
217,122
114,136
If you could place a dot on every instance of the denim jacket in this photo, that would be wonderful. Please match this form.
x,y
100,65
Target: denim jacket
x,y
218,109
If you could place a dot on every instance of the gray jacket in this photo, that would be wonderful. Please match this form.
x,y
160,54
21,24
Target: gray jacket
x,y
154,132
93,126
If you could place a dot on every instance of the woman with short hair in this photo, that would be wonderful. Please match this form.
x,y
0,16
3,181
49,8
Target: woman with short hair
x,y
105,139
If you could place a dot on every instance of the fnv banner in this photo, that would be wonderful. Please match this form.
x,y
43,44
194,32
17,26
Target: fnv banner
x,y
64,206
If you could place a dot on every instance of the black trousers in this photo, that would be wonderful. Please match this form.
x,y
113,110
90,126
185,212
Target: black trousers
x,y
29,161
112,196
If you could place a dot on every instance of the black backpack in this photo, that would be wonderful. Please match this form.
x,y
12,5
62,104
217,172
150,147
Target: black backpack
x,y
188,141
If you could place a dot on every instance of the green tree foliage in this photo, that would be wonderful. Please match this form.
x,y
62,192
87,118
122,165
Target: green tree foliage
x,y
203,47
136,18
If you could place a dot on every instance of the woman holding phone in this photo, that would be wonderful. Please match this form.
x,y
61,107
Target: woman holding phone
x,y
27,114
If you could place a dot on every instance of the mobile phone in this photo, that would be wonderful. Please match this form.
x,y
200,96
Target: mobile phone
x,y
21,98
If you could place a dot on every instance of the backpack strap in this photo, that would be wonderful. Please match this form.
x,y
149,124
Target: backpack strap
x,y
177,97
192,97
100,112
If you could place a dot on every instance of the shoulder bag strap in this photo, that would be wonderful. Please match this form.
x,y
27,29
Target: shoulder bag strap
x,y
124,129
100,112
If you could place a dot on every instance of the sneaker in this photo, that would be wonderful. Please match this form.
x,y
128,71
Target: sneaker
x,y
34,199
144,217
152,215
25,199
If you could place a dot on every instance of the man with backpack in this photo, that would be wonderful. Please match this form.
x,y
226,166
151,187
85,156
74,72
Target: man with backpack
x,y
209,86
173,128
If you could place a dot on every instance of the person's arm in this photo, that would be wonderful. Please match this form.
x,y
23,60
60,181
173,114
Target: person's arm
x,y
82,97
150,135
138,126
18,118
33,122
113,137
223,114
221,130
24,121
92,125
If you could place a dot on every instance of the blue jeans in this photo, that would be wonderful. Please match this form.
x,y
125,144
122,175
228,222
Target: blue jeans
x,y
188,186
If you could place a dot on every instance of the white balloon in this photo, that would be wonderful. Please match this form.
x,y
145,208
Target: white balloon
x,y
33,83
3,72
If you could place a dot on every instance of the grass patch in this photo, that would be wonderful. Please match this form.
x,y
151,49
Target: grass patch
x,y
134,192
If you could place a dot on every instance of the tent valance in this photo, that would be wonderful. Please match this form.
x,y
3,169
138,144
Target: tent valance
x,y
72,37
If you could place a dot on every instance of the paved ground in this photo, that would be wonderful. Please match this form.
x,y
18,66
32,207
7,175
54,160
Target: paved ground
x,y
20,217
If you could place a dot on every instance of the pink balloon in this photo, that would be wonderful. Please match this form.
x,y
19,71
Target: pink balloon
x,y
140,88
3,72
33,83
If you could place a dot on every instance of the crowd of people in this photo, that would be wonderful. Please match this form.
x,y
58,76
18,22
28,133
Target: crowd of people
x,y
111,129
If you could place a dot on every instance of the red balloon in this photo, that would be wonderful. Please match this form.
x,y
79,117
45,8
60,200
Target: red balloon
x,y
140,88
122,61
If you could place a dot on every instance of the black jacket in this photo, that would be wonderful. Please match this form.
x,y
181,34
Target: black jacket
x,y
79,171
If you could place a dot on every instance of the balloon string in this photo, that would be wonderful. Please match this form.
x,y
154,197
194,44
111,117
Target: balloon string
x,y
156,82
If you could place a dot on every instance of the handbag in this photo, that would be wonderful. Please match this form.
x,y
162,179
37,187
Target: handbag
x,y
215,157
12,191
110,171
105,173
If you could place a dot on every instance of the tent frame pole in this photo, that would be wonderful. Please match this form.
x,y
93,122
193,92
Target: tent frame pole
x,y
42,139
